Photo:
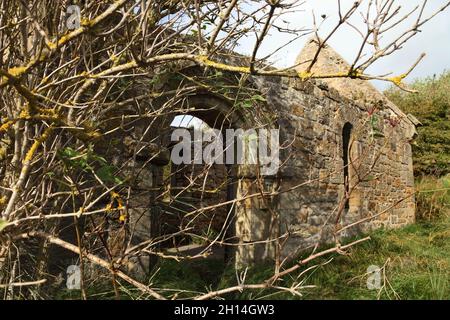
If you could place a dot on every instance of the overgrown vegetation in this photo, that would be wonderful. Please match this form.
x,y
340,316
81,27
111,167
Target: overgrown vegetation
x,y
431,106
87,99
415,264
432,198
414,260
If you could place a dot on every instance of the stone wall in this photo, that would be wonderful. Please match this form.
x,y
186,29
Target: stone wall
x,y
310,205
311,120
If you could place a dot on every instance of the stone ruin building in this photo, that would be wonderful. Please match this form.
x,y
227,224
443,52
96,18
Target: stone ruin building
x,y
337,136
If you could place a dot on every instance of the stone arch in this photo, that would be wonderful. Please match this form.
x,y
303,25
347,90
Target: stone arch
x,y
218,114
146,208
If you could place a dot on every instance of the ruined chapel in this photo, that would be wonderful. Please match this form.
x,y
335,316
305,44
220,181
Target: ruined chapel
x,y
345,165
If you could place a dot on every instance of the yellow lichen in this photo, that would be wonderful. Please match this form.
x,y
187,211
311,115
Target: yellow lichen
x,y
63,40
334,75
4,127
114,58
44,111
30,154
2,201
3,152
52,45
218,65
123,217
109,207
45,80
94,134
85,22
80,212
115,198
114,195
24,114
398,80
304,75
355,73
17,71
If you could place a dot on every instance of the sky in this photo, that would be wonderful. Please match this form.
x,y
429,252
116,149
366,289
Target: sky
x,y
434,40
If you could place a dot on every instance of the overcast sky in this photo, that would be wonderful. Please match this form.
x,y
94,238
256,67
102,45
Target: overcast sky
x,y
434,40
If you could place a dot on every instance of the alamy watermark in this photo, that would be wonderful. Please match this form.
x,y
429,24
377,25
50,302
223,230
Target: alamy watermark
x,y
73,277
247,147
374,277
73,17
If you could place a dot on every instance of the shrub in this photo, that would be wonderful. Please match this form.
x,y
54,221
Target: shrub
x,y
431,106
433,197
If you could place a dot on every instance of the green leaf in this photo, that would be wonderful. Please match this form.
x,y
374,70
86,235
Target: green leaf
x,y
117,180
246,104
373,120
69,153
258,97
156,79
446,182
98,158
106,174
3,224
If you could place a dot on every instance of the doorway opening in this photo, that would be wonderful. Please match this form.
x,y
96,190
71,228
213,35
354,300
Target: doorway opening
x,y
198,207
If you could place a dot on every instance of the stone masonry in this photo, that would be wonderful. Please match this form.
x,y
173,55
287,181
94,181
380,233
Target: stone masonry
x,y
346,167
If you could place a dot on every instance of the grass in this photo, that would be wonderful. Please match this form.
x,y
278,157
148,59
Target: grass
x,y
433,198
414,262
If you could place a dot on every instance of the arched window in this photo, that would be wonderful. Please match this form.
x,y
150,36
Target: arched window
x,y
346,136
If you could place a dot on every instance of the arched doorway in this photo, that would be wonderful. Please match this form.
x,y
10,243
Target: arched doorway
x,y
197,211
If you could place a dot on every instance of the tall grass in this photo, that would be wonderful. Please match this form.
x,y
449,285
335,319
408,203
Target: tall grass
x,y
415,261
433,197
